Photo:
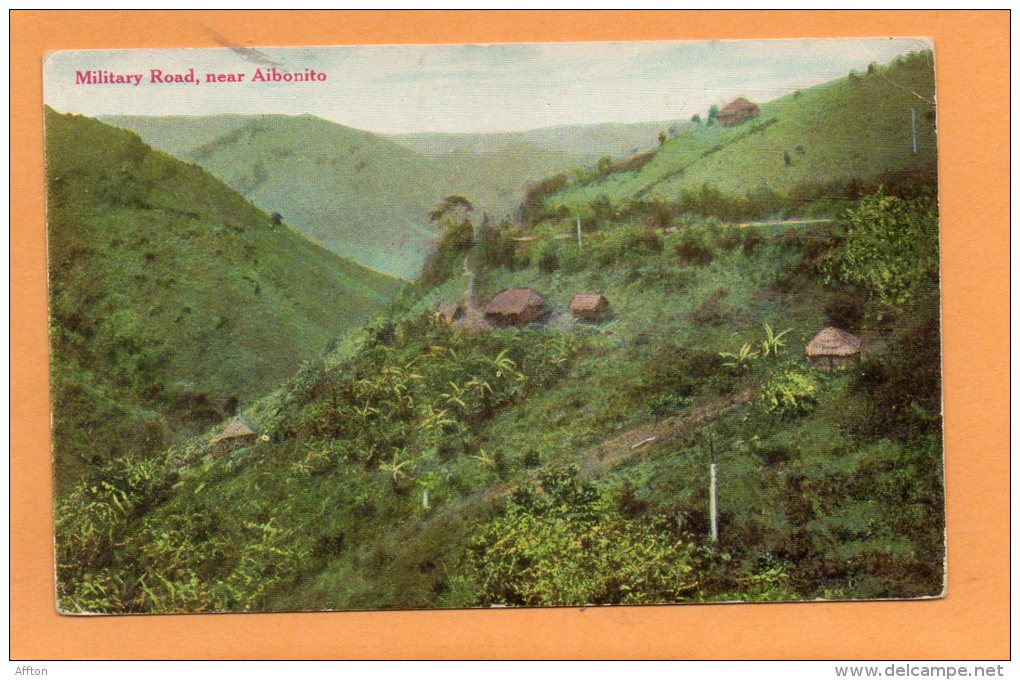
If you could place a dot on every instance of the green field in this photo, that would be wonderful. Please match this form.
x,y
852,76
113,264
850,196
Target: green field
x,y
171,296
856,128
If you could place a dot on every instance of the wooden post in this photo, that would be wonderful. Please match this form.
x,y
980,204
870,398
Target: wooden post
x,y
580,246
913,126
713,505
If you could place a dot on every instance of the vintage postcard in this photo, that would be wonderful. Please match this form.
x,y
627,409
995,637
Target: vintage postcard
x,y
511,325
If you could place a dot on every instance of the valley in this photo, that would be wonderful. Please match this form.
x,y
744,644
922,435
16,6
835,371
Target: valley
x,y
706,370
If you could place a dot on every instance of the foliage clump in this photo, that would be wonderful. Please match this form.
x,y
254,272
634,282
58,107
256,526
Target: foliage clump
x,y
889,247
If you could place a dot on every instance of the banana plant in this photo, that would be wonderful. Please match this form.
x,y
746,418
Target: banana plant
x,y
739,361
773,341
395,468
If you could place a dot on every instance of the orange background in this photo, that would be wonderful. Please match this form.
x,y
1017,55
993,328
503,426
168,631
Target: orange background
x,y
972,67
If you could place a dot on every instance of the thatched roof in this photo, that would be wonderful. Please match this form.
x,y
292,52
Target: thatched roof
x,y
238,427
832,342
588,302
738,105
450,311
515,301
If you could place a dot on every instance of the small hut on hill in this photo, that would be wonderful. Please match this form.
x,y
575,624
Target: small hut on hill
x,y
515,307
238,432
736,112
451,311
833,348
589,306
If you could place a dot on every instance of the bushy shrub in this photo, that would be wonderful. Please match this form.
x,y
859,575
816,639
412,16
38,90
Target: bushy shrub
x,y
693,248
710,311
626,243
547,256
790,394
568,547
890,247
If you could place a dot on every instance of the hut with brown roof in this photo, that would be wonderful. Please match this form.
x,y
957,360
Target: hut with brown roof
x,y
833,348
736,112
238,432
589,306
451,311
515,307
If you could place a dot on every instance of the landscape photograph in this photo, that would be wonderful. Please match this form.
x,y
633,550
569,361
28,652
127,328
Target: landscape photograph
x,y
484,326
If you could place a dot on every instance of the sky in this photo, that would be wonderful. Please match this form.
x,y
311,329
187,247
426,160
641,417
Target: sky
x,y
469,88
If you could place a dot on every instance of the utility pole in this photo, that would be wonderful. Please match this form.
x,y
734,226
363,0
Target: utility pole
x,y
913,126
580,246
713,505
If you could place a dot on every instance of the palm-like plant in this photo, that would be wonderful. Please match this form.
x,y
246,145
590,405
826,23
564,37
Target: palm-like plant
x,y
454,396
484,458
433,419
739,361
395,468
504,365
773,341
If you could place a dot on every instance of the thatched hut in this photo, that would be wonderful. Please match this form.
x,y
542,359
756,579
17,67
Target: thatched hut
x,y
589,306
736,112
833,348
238,432
515,307
451,311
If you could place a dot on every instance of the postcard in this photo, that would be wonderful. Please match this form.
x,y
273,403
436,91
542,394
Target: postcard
x,y
508,325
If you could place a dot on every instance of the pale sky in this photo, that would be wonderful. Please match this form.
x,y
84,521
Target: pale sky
x,y
470,88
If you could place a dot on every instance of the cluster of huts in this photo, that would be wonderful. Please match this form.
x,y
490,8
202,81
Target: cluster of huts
x,y
521,306
830,349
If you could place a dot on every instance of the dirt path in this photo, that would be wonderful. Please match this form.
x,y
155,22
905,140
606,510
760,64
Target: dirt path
x,y
591,463
599,459
668,230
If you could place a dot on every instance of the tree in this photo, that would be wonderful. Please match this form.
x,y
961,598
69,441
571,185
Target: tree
x,y
604,164
277,219
696,119
713,113
455,206
889,247
569,547
662,138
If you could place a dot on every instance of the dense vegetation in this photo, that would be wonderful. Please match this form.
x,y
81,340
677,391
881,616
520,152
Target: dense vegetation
x,y
173,300
419,463
811,152
366,195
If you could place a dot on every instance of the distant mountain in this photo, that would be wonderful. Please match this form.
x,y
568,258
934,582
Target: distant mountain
x,y
173,299
367,196
585,142
856,128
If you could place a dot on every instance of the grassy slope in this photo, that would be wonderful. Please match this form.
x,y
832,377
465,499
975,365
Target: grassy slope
x,y
350,535
846,128
178,135
364,195
169,289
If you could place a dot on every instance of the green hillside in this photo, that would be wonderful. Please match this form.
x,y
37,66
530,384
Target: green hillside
x,y
584,143
172,298
178,135
364,195
854,129
427,465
